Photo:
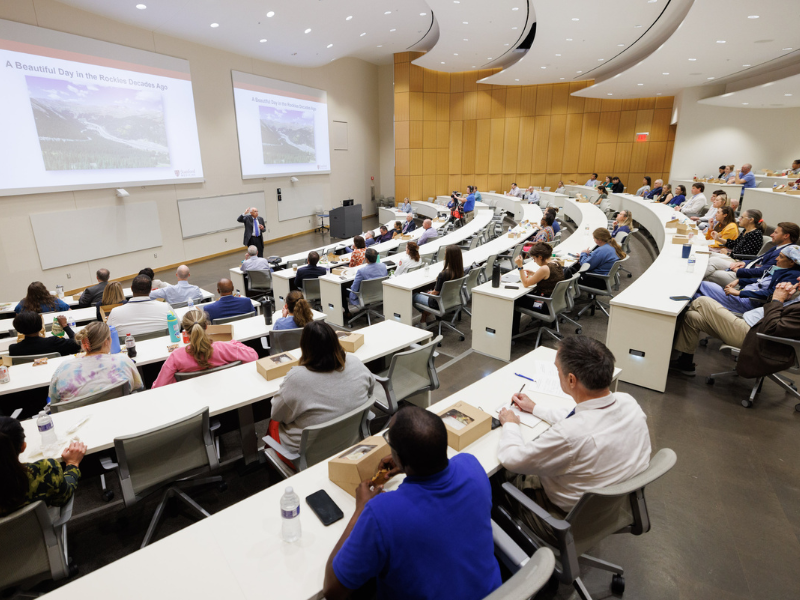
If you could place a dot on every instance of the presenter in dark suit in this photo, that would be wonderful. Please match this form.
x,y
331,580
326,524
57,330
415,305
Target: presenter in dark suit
x,y
253,229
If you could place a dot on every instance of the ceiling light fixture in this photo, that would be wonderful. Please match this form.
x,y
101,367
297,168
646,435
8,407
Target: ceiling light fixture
x,y
388,12
728,95
658,94
600,59
745,65
380,46
709,78
455,53
575,19
466,40
610,94
516,8
330,45
579,71
465,22
620,45
215,24
787,49
692,59
141,6
442,62
516,80
639,84
753,17
558,55
271,14
561,78
308,30
569,39
636,26
505,44
363,34
745,103
422,14
544,67
262,41
490,58
391,30
348,18
720,41
514,28
787,95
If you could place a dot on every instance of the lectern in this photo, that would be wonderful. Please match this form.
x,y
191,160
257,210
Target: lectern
x,y
345,221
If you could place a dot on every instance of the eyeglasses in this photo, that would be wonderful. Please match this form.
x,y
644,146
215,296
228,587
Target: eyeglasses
x,y
386,437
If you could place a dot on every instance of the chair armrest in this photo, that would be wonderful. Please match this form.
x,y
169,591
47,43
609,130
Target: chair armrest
x,y
507,549
584,267
107,463
557,524
744,257
66,512
214,425
779,340
16,413
269,441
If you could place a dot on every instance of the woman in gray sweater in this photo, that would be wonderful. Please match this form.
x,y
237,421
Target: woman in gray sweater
x,y
328,383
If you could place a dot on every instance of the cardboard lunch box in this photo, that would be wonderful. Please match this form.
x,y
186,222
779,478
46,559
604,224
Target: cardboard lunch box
x,y
357,463
406,236
275,366
673,224
350,340
680,239
465,424
220,333
339,271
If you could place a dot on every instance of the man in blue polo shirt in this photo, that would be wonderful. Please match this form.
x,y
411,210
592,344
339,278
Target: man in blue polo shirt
x,y
469,204
228,305
745,177
432,536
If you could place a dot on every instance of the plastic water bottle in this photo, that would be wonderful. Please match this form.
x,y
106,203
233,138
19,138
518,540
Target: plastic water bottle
x,y
115,349
130,346
190,304
290,516
70,320
691,263
46,429
237,294
174,327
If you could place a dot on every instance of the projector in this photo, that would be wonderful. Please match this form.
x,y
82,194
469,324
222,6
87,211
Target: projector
x,y
294,179
121,193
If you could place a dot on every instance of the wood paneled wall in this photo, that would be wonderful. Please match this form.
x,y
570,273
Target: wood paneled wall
x,y
451,131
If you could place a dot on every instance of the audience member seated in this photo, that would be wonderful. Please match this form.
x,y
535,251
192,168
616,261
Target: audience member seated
x,y
407,261
709,221
369,239
533,196
545,278
623,223
29,324
666,195
749,243
406,206
755,292
607,182
309,271
692,206
515,191
45,480
254,262
603,195
409,225
724,226
371,270
779,317
679,197
384,236
39,300
93,294
722,175
592,180
795,170
656,191
645,189
545,233
561,189
453,269
722,269
600,260
140,314
617,187
415,540
478,197
96,371
327,383
745,177
112,294
296,312
181,291
156,283
398,229
601,442
228,305
359,248
202,353
429,233
553,210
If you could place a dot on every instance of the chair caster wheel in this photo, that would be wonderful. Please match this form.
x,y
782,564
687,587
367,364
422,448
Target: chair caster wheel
x,y
461,338
630,275
579,330
439,344
797,407
223,486
747,403
704,342
710,380
108,495
72,568
618,584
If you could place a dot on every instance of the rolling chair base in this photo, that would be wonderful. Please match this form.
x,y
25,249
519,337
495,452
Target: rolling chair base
x,y
786,383
593,305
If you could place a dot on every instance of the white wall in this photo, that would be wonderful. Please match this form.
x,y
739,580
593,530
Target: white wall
x,y
710,136
386,117
352,87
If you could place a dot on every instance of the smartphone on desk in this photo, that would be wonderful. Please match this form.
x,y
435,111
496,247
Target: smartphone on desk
x,y
324,507
680,298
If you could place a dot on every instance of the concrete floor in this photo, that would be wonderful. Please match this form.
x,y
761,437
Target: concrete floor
x,y
725,520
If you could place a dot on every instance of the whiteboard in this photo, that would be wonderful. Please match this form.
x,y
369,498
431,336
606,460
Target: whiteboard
x,y
201,216
301,200
112,230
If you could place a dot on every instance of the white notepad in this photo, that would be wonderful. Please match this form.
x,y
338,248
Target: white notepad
x,y
525,418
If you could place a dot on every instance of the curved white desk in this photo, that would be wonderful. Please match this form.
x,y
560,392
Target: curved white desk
x,y
733,190
774,206
767,181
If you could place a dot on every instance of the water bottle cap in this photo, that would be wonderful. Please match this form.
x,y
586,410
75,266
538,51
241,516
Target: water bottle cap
x,y
289,490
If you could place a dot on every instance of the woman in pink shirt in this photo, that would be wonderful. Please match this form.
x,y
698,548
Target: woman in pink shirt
x,y
201,353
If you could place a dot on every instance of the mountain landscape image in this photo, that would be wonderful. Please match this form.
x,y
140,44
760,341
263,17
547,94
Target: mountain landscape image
x,y
88,126
287,136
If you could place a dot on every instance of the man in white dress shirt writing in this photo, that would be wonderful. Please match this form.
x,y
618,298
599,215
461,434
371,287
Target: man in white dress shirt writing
x,y
181,291
602,441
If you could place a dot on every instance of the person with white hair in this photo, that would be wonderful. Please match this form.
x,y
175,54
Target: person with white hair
x,y
181,291
658,186
254,262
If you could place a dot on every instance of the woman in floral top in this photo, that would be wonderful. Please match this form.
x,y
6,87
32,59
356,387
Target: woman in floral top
x,y
359,248
96,371
43,480
546,233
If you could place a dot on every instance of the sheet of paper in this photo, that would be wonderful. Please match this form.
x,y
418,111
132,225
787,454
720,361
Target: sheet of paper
x,y
545,379
525,418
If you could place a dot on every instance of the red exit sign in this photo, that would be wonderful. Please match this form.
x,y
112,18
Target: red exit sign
x,y
642,137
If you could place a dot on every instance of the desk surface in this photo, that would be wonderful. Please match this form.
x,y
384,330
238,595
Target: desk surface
x,y
222,392
241,545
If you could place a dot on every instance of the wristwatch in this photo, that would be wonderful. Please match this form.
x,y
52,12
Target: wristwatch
x,y
519,268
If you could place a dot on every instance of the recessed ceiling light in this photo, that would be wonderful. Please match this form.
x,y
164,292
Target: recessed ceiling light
x,y
456,1
388,12
215,24
516,8
380,46
636,26
720,41
652,1
787,49
391,30
610,94
271,14
639,84
141,6
516,80
363,34
465,22
745,65
330,45
308,30
787,94
658,94
348,18
442,62
569,39
558,55
490,58
455,53
579,71
600,59
665,73
466,40
620,45
505,44
544,67
693,59
753,17
709,78
745,103
513,28
561,78
262,41
575,19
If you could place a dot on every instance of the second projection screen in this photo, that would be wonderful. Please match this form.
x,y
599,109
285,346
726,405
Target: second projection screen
x,y
282,126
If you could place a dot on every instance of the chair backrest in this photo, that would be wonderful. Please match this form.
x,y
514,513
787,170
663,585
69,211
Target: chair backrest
x,y
604,511
766,241
401,248
164,454
441,252
297,262
451,293
372,290
260,280
471,282
29,358
184,304
608,279
426,259
120,389
281,340
321,442
193,374
29,547
488,266
107,308
224,320
517,251
531,578
311,288
474,242
794,344
412,372
416,267
148,335
561,297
